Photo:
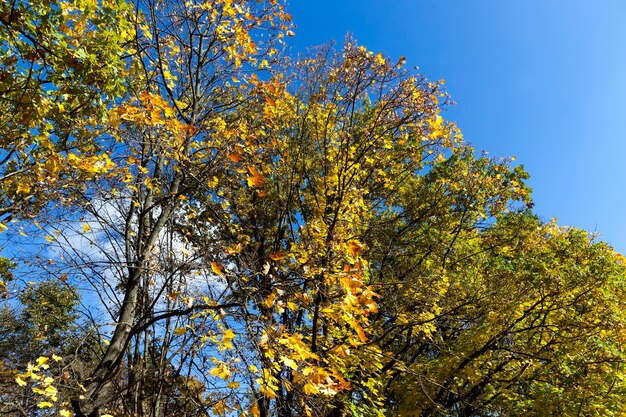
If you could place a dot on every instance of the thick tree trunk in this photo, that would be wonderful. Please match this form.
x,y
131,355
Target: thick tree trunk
x,y
95,395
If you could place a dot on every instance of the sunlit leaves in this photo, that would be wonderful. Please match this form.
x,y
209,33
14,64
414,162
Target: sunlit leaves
x,y
255,179
216,268
221,370
307,235
43,385
511,309
227,338
55,86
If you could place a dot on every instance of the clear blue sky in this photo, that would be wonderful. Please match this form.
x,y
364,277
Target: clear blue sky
x,y
541,80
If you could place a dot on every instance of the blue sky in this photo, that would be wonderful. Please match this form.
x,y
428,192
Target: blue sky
x,y
541,80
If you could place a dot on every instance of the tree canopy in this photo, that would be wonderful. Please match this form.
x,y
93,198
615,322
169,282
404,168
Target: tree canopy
x,y
197,223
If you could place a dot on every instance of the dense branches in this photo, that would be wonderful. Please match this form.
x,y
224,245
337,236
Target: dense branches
x,y
259,235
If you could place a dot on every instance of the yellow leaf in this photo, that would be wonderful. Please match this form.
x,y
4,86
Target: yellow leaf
x,y
42,360
220,408
33,375
221,370
217,269
213,182
269,301
233,249
310,389
233,385
64,413
168,75
20,382
86,228
57,358
23,188
266,389
289,362
53,165
180,330
228,336
45,404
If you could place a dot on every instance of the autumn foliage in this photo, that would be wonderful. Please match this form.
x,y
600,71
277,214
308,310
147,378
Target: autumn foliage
x,y
195,223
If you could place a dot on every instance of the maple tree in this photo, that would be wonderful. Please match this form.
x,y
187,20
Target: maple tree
x,y
60,67
271,236
44,325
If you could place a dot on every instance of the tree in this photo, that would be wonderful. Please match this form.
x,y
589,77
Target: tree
x,y
159,140
528,325
44,324
269,236
60,68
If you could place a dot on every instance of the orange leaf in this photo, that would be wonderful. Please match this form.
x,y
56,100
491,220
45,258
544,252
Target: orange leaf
x,y
218,269
256,180
278,256
361,333
253,171
355,248
356,326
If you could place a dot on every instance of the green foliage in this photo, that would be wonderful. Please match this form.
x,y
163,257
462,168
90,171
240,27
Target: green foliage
x,y
6,275
526,326
50,312
43,323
